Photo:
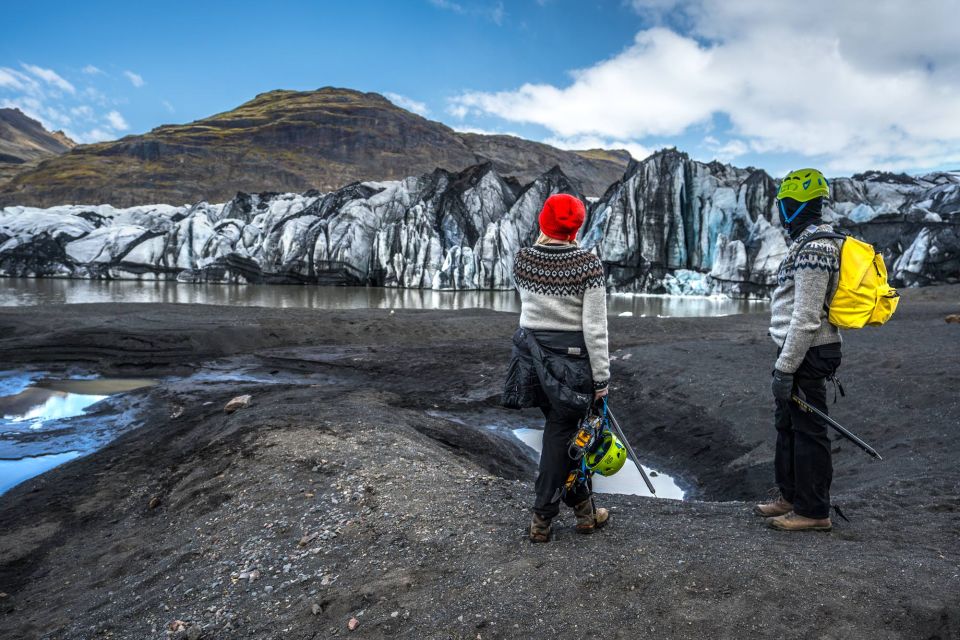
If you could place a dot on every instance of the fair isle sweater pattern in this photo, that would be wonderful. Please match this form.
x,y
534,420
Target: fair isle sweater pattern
x,y
562,289
552,272
818,255
799,307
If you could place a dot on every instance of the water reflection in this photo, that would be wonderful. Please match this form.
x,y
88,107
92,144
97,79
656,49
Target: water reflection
x,y
41,291
13,472
31,408
46,400
626,481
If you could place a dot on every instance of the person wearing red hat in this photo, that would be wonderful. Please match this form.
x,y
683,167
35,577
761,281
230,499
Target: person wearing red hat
x,y
561,358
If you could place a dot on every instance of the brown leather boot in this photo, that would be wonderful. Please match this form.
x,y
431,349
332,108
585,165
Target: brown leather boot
x,y
539,529
590,518
778,507
794,522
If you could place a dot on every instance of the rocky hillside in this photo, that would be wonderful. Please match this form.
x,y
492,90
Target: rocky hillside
x,y
24,142
670,224
290,141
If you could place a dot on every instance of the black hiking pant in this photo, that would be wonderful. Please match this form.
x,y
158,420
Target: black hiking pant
x,y
556,464
803,463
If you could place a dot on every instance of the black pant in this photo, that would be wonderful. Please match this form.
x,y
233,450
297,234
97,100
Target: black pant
x,y
803,463
555,464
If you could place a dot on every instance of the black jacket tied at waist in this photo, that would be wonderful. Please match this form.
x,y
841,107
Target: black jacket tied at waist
x,y
549,368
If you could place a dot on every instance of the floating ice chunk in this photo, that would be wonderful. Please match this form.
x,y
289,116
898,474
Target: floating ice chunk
x,y
685,282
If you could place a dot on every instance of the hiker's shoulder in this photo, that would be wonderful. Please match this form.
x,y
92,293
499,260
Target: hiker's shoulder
x,y
524,254
587,259
820,245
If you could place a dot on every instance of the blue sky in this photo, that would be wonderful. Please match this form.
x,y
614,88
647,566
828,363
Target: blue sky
x,y
873,85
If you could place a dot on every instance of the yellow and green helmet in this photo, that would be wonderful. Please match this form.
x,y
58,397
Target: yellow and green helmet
x,y
803,185
609,457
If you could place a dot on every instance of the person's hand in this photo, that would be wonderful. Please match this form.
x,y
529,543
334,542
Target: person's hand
x,y
782,385
600,393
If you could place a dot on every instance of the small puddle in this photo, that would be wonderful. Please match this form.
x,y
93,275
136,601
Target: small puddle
x,y
626,481
33,435
50,399
13,472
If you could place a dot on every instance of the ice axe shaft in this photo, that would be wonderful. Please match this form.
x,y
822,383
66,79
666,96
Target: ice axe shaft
x,y
630,451
836,425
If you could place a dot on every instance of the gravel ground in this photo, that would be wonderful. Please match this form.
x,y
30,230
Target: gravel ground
x,y
341,502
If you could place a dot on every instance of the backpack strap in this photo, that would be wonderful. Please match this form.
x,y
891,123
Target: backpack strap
x,y
821,235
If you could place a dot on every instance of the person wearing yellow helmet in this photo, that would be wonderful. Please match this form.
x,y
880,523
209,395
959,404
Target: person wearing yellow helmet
x,y
808,355
800,199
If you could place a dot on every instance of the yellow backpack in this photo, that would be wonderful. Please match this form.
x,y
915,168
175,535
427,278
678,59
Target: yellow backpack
x,y
863,296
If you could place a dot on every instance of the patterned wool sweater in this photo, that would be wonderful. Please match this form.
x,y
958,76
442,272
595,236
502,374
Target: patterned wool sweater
x,y
561,289
806,282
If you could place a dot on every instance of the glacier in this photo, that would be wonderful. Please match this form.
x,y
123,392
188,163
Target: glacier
x,y
669,225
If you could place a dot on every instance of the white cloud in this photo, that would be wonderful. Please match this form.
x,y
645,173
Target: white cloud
x,y
13,79
135,79
447,5
585,143
643,91
495,13
873,85
83,112
485,132
726,151
91,70
116,121
89,93
49,76
408,103
169,107
93,135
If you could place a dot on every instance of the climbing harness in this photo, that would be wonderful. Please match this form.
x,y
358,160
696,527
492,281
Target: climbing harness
x,y
597,447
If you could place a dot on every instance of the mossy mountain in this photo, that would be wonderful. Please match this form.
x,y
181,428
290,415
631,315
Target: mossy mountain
x,y
290,141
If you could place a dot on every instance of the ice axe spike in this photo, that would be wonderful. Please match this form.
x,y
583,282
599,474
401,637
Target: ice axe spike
x,y
630,451
837,426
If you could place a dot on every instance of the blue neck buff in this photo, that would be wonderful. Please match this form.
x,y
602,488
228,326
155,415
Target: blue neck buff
x,y
796,216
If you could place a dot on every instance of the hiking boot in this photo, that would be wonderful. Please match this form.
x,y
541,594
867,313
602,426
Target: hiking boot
x,y
590,518
778,507
794,522
539,529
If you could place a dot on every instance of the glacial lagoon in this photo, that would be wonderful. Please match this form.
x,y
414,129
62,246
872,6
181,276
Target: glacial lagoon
x,y
42,291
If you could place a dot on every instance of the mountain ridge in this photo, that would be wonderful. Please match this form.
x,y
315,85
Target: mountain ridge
x,y
24,142
286,140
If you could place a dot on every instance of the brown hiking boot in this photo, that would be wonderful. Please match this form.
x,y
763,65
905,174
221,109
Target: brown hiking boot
x,y
794,522
539,529
590,518
778,507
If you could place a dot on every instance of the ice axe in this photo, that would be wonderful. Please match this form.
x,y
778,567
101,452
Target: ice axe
x,y
630,452
836,425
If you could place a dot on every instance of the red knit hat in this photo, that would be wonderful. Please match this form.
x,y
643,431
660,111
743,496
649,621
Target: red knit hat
x,y
562,216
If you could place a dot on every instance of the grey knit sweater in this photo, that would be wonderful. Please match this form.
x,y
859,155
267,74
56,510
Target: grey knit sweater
x,y
561,289
806,282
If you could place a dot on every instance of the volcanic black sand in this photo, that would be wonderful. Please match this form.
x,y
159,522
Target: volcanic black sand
x,y
342,492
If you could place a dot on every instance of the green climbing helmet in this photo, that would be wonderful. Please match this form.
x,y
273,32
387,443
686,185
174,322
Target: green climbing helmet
x,y
609,456
803,185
